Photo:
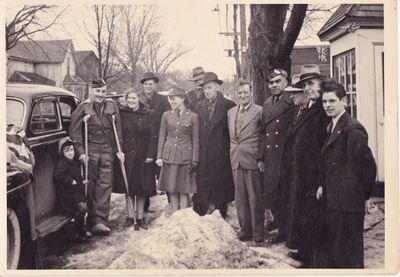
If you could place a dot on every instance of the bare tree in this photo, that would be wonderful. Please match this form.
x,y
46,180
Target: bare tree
x,y
137,23
27,21
271,41
104,38
157,58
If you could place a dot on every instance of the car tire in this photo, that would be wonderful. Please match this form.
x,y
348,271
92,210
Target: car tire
x,y
13,239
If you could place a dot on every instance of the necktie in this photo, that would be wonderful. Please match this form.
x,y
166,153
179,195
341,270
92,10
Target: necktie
x,y
276,99
300,111
329,128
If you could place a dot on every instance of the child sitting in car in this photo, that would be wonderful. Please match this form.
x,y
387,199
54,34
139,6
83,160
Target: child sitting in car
x,y
71,188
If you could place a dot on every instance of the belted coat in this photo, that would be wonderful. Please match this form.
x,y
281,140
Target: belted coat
x,y
275,120
215,181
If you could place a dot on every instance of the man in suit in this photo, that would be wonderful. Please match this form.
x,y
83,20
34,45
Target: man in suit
x,y
215,182
244,122
196,94
299,174
348,175
277,113
159,104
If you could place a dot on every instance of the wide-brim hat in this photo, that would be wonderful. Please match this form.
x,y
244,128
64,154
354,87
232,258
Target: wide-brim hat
x,y
293,89
307,72
198,73
149,76
175,91
210,77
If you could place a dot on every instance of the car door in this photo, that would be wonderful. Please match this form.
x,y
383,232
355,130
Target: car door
x,y
45,130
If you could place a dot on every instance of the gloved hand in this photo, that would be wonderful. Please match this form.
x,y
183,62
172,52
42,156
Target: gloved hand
x,y
191,166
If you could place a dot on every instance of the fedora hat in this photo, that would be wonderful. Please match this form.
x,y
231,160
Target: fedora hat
x,y
149,76
198,73
293,88
210,77
308,71
175,91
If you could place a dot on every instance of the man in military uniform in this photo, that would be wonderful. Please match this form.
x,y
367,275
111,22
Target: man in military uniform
x,y
278,112
196,94
98,112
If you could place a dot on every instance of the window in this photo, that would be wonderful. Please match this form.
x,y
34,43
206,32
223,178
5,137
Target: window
x,y
44,117
15,112
67,106
344,71
68,65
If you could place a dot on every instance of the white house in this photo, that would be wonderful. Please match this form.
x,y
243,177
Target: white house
x,y
355,34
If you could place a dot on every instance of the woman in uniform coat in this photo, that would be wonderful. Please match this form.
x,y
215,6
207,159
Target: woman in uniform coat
x,y
178,150
140,147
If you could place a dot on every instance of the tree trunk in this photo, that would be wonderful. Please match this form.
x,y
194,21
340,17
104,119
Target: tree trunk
x,y
270,45
236,42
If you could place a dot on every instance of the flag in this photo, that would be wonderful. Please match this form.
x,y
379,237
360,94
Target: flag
x,y
18,152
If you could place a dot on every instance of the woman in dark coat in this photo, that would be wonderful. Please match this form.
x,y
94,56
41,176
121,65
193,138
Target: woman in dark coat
x,y
140,147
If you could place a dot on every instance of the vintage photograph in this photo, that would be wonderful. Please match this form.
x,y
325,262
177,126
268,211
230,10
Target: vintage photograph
x,y
195,135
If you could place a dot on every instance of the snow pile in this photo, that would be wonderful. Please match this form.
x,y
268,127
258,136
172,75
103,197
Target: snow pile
x,y
186,241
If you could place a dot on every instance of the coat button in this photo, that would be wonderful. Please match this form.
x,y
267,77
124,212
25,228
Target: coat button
x,y
277,120
276,145
177,122
267,134
268,146
276,133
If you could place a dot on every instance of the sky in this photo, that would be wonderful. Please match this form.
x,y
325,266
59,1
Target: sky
x,y
193,24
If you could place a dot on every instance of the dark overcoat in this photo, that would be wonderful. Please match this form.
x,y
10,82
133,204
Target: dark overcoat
x,y
348,176
299,178
140,142
195,96
69,193
159,104
215,181
275,120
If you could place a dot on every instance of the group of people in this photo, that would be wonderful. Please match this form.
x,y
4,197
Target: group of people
x,y
300,155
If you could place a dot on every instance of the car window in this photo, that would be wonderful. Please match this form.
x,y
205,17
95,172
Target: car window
x,y
15,112
67,106
44,117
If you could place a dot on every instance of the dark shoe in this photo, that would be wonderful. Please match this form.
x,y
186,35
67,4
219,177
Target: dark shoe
x,y
244,237
101,230
298,256
129,222
259,240
142,224
272,226
277,239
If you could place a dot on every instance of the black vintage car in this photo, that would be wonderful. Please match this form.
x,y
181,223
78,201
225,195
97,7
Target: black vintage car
x,y
44,113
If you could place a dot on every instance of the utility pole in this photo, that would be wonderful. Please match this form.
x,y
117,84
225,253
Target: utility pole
x,y
236,42
245,74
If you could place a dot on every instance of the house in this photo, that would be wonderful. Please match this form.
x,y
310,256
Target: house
x,y
51,62
355,33
311,54
88,66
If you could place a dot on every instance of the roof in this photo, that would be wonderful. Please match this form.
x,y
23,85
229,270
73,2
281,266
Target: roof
x,y
43,51
364,15
83,55
312,54
26,91
30,78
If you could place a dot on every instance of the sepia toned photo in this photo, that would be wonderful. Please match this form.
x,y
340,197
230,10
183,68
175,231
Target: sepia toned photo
x,y
145,138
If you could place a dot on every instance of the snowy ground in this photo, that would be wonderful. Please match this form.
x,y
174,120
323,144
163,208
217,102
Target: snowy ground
x,y
186,240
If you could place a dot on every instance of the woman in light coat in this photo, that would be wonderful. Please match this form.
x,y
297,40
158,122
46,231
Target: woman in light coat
x,y
178,150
